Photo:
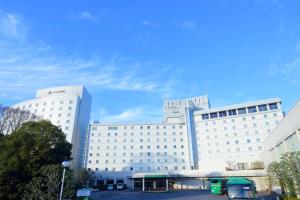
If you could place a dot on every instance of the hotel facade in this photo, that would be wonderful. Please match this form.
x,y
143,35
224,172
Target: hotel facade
x,y
67,107
284,138
193,143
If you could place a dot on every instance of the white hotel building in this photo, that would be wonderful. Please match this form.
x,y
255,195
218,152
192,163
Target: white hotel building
x,y
285,137
194,141
67,107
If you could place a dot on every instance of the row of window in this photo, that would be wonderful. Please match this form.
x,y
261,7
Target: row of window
x,y
234,120
142,168
239,111
140,141
142,147
140,127
140,154
225,128
236,150
235,134
45,103
176,160
235,142
132,133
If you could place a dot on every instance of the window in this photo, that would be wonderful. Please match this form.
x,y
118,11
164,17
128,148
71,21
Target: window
x,y
222,114
273,106
112,128
205,116
242,111
257,140
252,109
262,107
213,115
231,112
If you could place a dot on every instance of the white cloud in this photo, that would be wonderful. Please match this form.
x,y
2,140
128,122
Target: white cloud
x,y
86,15
189,25
30,65
150,23
132,115
12,26
289,70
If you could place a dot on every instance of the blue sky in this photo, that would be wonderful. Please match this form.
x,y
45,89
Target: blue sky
x,y
131,55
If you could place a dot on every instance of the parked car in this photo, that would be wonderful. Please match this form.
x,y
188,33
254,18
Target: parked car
x,y
83,194
120,186
110,187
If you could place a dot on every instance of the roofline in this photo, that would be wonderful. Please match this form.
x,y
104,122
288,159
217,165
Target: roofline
x,y
236,106
132,124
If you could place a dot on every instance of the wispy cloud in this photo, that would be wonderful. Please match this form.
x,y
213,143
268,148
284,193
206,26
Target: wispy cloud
x,y
12,26
132,115
150,23
29,65
189,25
289,70
86,15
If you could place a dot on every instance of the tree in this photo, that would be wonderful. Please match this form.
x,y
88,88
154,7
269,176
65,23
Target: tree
x,y
82,177
25,151
286,173
291,161
12,118
47,185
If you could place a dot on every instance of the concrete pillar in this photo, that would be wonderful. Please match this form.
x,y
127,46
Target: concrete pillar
x,y
167,184
143,187
132,184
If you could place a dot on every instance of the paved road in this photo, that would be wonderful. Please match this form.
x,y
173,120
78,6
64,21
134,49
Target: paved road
x,y
173,195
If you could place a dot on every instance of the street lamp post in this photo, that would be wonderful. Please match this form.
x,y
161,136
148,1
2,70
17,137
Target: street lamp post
x,y
65,164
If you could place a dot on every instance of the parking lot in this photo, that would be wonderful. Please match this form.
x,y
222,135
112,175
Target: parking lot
x,y
173,195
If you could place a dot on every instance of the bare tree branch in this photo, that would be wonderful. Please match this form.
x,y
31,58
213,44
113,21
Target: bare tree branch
x,y
12,118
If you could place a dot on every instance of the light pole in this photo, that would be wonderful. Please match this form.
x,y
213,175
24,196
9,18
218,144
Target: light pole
x,y
65,164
